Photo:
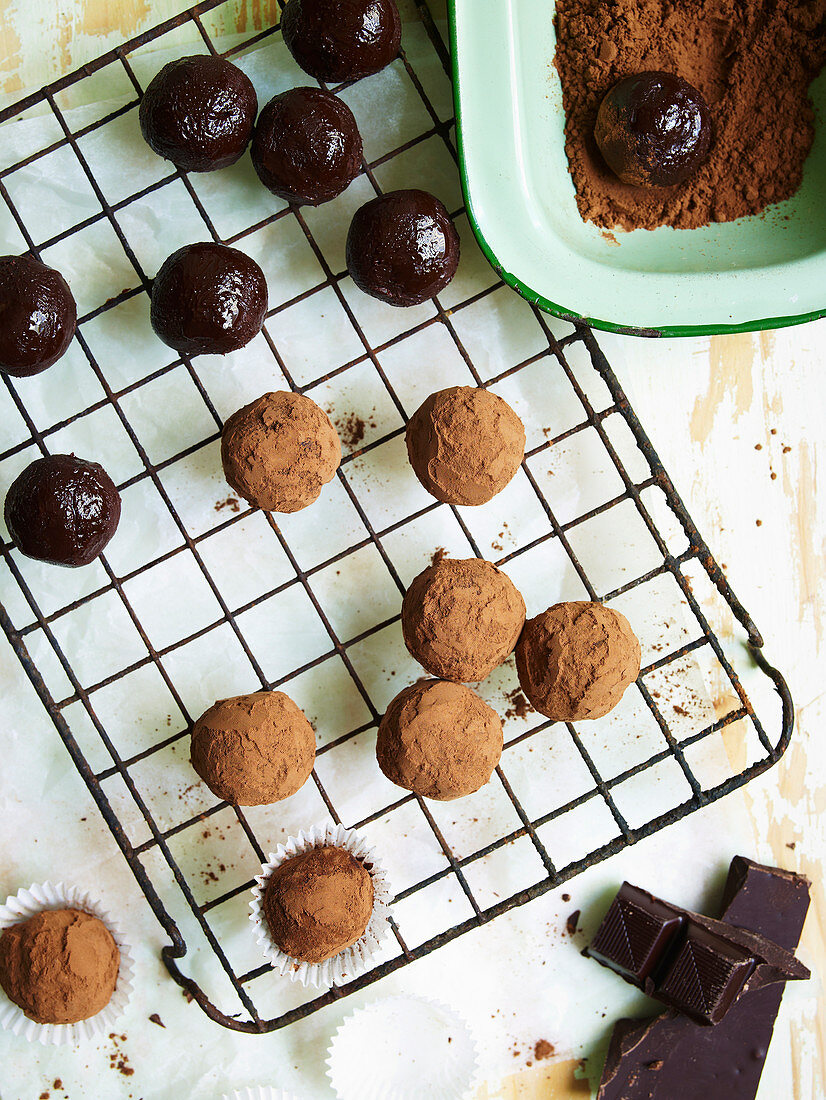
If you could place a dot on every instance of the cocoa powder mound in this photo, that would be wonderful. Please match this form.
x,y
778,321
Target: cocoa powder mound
x,y
439,740
753,61
318,903
59,966
461,618
465,444
255,749
576,659
280,451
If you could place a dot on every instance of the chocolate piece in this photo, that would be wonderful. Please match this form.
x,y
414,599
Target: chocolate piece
x,y
307,147
465,444
199,112
697,964
670,1056
208,299
576,660
653,129
62,510
439,740
635,934
337,40
402,247
318,903
59,966
253,750
38,316
461,618
704,975
280,451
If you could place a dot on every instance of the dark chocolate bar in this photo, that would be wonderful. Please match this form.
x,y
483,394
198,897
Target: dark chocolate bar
x,y
696,964
670,1056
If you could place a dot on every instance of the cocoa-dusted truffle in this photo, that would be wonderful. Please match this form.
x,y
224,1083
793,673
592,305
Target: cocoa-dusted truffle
x,y
38,316
653,129
461,619
62,510
59,966
307,147
208,299
253,749
337,40
318,903
280,451
576,659
439,740
402,247
199,112
465,444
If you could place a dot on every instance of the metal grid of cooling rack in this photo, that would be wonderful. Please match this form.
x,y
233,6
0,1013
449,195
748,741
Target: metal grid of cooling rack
x,y
80,693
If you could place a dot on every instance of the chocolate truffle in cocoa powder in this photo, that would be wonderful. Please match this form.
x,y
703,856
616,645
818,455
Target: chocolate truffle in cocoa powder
x,y
208,299
199,113
439,740
576,659
38,316
59,966
465,444
653,129
62,510
318,903
337,40
402,247
280,451
461,618
255,749
307,146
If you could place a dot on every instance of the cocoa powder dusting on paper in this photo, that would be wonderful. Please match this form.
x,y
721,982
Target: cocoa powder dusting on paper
x,y
753,61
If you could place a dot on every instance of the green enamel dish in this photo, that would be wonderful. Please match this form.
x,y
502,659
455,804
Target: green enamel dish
x,y
755,273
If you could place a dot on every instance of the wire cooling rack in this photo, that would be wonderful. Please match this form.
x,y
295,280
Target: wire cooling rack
x,y
451,881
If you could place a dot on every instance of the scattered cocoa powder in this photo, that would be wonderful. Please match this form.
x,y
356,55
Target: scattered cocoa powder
x,y
255,749
59,966
465,444
439,740
576,659
278,452
543,1049
753,61
232,503
519,706
318,903
461,618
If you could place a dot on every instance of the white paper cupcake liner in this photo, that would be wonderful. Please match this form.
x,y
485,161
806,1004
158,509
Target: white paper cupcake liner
x,y
25,904
403,1048
354,959
263,1092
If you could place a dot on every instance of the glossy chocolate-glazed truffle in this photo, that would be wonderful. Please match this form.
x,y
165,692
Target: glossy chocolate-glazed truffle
x,y
307,147
199,112
337,40
208,299
38,316
653,129
402,247
62,510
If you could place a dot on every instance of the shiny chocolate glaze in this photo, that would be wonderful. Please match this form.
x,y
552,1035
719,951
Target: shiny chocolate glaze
x,y
402,247
307,147
653,129
62,510
208,299
38,316
199,113
336,40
